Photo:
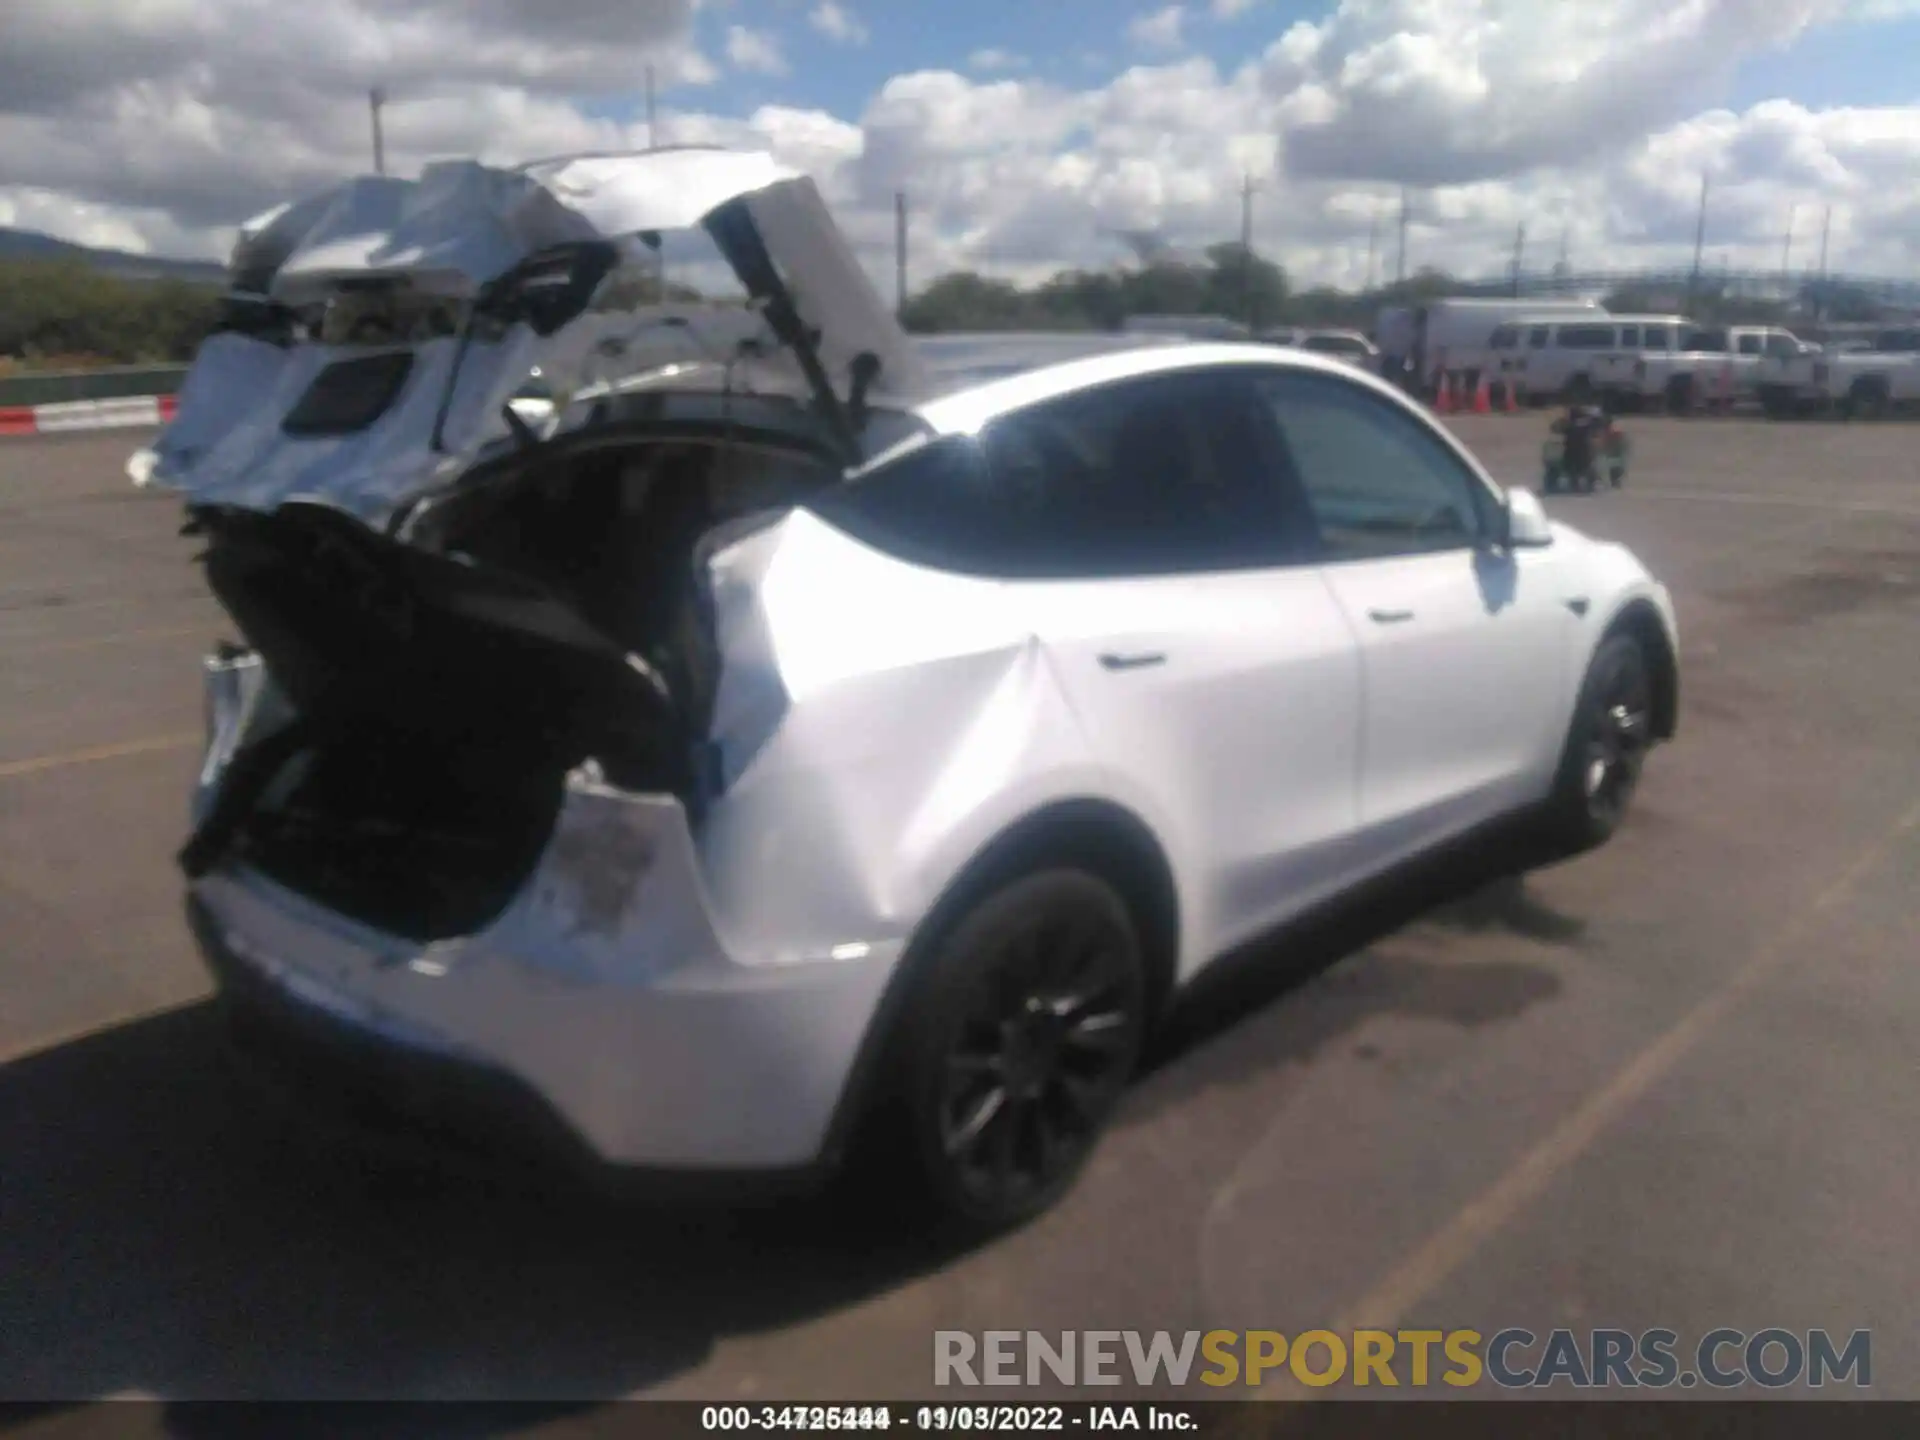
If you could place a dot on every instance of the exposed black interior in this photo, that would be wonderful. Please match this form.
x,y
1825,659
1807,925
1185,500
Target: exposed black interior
x,y
445,685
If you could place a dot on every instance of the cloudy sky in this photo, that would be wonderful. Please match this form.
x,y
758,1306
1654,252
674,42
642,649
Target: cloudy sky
x,y
1028,134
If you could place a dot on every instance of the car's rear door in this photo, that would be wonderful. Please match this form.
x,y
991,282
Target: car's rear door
x,y
1465,648
1138,530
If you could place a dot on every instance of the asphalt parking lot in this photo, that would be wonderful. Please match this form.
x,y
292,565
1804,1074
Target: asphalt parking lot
x,y
1669,1084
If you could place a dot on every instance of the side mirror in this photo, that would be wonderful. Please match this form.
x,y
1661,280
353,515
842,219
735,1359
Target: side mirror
x,y
1523,522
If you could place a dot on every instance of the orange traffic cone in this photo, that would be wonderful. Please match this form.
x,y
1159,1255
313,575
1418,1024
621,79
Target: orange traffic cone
x,y
1512,397
1443,396
1482,399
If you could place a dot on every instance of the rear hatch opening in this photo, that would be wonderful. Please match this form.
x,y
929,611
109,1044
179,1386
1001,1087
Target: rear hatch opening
x,y
443,687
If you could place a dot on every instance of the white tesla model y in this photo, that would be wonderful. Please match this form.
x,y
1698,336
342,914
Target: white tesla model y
x,y
812,726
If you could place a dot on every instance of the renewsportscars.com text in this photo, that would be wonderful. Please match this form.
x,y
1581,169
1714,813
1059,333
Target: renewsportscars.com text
x,y
1511,1358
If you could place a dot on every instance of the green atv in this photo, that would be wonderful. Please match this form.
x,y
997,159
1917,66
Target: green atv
x,y
1611,453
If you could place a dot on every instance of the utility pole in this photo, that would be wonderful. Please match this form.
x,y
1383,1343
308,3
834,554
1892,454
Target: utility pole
x,y
1826,231
1565,266
1247,187
653,140
1786,249
899,251
1373,243
1400,270
377,98
1699,243
1519,254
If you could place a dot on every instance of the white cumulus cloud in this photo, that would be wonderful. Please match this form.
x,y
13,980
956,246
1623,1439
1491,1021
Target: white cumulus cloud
x,y
1159,30
755,51
837,22
160,125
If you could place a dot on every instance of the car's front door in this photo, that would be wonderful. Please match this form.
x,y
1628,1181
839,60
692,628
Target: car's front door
x,y
1465,647
1207,663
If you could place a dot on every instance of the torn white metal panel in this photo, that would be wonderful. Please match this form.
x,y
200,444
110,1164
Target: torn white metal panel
x,y
457,229
833,293
671,189
228,444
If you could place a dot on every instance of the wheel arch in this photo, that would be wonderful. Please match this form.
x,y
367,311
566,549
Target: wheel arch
x,y
1099,835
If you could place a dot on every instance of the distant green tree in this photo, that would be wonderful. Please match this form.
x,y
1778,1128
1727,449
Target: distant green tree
x,y
64,312
964,300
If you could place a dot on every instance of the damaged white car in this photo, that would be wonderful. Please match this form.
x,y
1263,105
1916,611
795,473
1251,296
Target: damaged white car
x,y
819,728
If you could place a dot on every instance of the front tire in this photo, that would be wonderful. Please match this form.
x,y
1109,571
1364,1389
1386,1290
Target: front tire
x,y
1019,1044
1606,747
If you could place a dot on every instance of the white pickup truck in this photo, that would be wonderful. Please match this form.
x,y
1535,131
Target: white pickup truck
x,y
1883,375
1705,365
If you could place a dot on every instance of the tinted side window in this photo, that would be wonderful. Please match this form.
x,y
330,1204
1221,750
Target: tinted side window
x,y
1750,344
1507,337
1586,337
1630,337
1537,337
1375,479
1708,342
1171,475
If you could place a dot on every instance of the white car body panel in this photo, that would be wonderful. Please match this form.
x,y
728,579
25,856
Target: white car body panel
x,y
694,993
452,232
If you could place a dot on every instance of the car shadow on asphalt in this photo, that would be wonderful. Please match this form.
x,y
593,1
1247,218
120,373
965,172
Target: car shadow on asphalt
x,y
160,1239
1473,888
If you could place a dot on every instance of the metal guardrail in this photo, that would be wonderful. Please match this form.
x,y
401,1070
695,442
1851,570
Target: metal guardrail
x,y
54,386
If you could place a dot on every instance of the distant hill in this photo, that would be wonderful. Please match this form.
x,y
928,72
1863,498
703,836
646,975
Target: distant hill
x,y
123,264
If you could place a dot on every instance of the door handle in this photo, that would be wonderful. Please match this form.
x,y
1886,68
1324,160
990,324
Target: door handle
x,y
1389,617
1132,662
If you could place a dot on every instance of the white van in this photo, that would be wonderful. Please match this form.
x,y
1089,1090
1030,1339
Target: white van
x,y
1545,356
1459,331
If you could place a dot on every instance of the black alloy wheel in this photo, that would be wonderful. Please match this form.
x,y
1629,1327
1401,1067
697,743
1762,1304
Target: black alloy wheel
x,y
1611,734
1034,1025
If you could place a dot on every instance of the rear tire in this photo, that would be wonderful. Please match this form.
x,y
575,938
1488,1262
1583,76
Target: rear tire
x,y
1607,743
1017,1045
1867,400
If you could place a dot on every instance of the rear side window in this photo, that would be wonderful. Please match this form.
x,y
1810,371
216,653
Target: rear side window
x,y
1538,337
1630,337
1751,344
1169,475
1507,337
1586,337
1709,342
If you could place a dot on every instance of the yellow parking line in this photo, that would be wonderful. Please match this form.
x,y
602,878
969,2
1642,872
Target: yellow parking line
x,y
1447,1249
152,745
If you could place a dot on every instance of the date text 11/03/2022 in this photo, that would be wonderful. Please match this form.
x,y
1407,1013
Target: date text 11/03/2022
x,y
942,1418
